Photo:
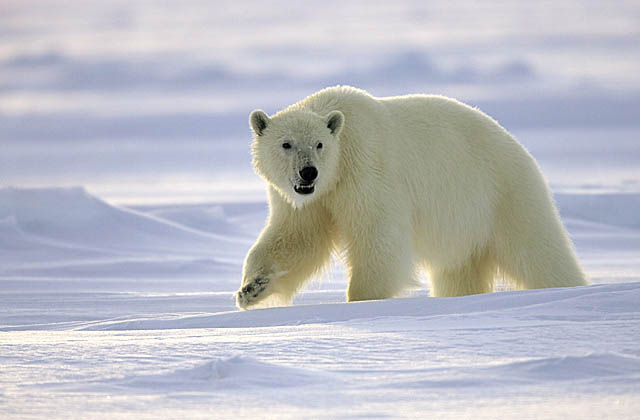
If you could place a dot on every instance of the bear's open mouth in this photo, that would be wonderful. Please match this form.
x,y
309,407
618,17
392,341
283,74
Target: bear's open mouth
x,y
304,189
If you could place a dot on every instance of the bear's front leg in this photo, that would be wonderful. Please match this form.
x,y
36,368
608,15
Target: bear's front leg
x,y
293,246
259,270
278,265
380,261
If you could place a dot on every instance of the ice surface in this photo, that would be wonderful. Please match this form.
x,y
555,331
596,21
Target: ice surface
x,y
128,202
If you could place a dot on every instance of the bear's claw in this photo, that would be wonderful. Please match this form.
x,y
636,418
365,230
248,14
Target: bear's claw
x,y
249,293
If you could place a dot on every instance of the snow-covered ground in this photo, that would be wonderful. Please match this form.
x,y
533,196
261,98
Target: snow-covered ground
x,y
127,203
110,312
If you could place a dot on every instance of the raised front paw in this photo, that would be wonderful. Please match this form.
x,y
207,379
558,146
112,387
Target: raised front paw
x,y
251,292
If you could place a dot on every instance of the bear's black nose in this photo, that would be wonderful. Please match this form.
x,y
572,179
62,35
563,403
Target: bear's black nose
x,y
308,173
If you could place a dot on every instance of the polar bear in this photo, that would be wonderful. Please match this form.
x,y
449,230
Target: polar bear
x,y
394,185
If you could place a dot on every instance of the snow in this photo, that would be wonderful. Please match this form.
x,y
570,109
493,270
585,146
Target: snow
x,y
128,202
113,328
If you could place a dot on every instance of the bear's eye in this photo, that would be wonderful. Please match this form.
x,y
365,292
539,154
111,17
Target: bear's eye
x,y
319,146
286,145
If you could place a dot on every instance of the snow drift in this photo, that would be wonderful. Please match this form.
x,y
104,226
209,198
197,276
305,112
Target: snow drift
x,y
72,217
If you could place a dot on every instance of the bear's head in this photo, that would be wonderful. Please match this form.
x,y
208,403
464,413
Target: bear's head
x,y
297,152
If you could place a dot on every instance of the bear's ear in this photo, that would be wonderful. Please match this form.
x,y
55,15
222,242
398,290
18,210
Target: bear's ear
x,y
335,121
258,121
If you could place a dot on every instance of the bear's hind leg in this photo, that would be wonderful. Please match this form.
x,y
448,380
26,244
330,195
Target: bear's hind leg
x,y
535,264
473,277
532,246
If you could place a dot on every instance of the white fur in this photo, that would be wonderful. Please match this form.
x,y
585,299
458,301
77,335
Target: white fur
x,y
407,182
